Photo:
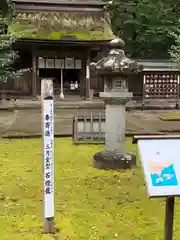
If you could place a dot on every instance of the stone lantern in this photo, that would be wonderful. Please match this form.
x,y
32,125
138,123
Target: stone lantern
x,y
114,69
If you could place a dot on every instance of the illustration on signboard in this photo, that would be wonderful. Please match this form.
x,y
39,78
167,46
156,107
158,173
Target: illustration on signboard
x,y
162,174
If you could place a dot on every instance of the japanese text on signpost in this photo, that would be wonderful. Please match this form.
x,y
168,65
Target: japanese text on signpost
x,y
48,158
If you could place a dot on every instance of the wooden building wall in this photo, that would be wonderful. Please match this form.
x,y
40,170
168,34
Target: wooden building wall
x,y
135,84
19,87
24,84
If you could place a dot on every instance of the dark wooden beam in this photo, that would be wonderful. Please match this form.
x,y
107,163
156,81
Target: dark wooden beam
x,y
62,2
41,42
60,52
56,8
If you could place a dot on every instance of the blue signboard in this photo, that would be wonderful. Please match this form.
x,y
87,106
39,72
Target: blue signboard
x,y
161,164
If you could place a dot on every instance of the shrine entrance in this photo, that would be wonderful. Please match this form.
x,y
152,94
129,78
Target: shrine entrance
x,y
65,73
67,66
70,79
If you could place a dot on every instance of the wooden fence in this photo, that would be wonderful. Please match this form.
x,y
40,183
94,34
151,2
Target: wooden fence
x,y
89,129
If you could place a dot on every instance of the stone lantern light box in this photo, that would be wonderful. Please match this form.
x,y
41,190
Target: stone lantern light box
x,y
114,70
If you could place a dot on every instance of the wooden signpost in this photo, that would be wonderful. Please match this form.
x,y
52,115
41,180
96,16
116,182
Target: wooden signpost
x,y
48,154
159,156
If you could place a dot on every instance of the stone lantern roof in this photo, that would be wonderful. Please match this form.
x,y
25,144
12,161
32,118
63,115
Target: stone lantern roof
x,y
116,63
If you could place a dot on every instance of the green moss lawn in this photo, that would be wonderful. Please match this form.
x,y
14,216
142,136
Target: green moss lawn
x,y
90,204
170,116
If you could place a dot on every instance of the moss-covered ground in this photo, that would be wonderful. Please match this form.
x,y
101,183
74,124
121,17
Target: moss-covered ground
x,y
170,116
90,204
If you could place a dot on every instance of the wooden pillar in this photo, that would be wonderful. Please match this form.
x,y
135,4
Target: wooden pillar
x,y
169,218
100,81
88,80
82,79
38,83
34,75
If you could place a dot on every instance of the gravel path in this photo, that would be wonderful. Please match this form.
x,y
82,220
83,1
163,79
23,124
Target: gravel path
x,y
7,119
25,122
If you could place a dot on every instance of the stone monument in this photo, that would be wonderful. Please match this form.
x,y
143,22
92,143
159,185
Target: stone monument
x,y
114,69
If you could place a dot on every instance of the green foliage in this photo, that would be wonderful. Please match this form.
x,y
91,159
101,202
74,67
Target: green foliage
x,y
175,49
4,4
145,26
7,54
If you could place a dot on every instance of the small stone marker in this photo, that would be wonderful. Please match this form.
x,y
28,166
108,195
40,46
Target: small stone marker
x,y
115,69
160,161
48,154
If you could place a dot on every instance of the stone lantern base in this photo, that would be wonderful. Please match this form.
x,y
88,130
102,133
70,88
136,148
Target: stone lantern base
x,y
114,160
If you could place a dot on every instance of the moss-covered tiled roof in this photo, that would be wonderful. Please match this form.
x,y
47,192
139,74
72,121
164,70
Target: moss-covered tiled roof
x,y
57,25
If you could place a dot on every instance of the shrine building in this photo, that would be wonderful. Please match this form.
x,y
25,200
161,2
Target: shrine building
x,y
58,39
